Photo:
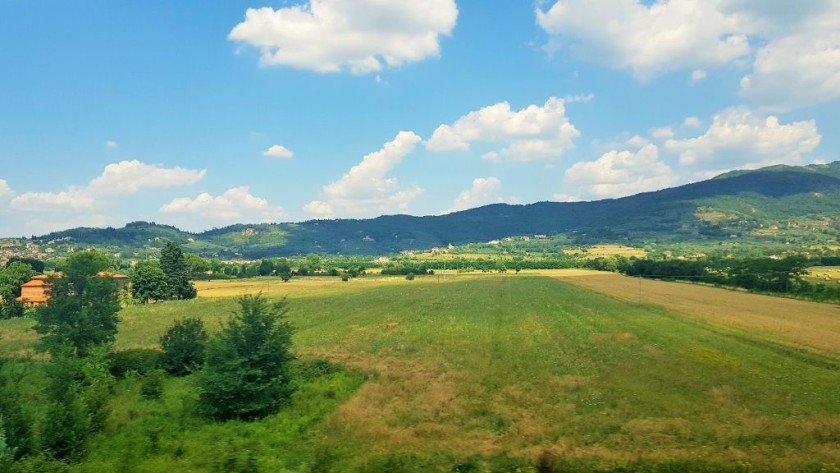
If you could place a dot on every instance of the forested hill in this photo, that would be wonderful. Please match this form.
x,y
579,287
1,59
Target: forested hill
x,y
774,204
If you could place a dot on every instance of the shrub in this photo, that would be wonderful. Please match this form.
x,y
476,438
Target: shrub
x,y
183,347
410,276
151,386
247,374
138,360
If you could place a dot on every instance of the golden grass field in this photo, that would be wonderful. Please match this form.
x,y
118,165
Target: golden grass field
x,y
802,324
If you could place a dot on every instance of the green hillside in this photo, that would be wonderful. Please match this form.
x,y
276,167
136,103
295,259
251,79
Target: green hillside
x,y
775,205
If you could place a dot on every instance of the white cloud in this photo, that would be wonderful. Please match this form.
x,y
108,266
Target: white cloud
x,y
278,151
637,142
111,144
662,133
5,191
236,205
692,122
128,177
800,68
580,98
532,133
648,39
361,36
483,191
619,173
366,189
738,138
122,178
793,52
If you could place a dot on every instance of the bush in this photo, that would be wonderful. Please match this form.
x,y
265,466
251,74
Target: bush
x,y
247,374
138,360
151,386
410,276
183,347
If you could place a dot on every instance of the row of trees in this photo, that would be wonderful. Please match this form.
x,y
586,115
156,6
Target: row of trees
x,y
755,274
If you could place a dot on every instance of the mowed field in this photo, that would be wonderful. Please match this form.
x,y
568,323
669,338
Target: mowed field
x,y
590,367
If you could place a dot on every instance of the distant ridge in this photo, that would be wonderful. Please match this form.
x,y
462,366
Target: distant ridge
x,y
739,203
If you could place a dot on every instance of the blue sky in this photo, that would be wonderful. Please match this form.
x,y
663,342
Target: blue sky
x,y
205,114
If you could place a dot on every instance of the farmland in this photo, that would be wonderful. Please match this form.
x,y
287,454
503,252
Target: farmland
x,y
492,372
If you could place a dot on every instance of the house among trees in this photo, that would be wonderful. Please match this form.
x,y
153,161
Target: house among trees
x,y
36,291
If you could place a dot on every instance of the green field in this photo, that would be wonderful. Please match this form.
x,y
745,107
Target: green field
x,y
486,372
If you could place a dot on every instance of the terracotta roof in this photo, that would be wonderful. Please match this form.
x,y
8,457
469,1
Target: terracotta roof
x,y
35,283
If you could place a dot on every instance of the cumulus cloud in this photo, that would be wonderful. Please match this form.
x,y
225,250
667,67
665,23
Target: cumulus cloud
x,y
799,68
661,133
738,138
5,191
532,133
367,189
122,178
619,173
793,52
278,151
236,205
360,36
692,122
484,190
647,38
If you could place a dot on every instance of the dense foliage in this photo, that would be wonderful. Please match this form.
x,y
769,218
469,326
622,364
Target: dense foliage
x,y
775,275
82,311
11,277
183,346
174,266
246,374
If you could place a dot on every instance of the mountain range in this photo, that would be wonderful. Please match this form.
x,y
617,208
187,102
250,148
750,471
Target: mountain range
x,y
777,204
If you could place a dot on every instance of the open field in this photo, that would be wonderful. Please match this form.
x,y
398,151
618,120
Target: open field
x,y
801,324
823,274
495,370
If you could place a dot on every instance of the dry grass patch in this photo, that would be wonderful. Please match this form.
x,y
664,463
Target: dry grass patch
x,y
802,324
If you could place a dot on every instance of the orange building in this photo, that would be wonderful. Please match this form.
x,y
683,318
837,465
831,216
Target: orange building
x,y
35,292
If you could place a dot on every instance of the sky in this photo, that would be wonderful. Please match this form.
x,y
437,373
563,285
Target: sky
x,y
204,114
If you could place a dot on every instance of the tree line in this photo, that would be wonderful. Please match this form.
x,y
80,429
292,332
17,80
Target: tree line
x,y
773,275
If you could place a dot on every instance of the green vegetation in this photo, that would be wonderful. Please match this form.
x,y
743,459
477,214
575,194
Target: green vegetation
x,y
11,277
473,373
769,275
183,347
247,370
82,311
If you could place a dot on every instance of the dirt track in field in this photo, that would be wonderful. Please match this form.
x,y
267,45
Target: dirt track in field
x,y
810,325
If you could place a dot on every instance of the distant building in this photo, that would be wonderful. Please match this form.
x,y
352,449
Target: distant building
x,y
35,292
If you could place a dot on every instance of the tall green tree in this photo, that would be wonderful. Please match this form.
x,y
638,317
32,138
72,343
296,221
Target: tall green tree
x,y
11,277
246,374
82,311
183,346
148,282
174,265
